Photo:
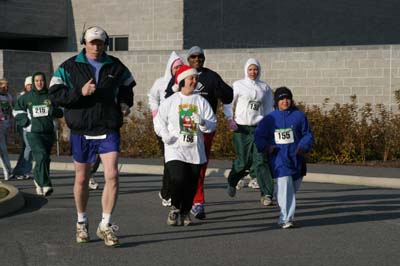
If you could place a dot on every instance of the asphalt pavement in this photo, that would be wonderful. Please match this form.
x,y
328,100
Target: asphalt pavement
x,y
336,225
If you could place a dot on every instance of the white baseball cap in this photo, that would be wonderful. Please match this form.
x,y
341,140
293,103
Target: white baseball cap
x,y
95,33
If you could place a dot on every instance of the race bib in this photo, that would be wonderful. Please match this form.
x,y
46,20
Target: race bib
x,y
40,110
187,139
254,106
284,136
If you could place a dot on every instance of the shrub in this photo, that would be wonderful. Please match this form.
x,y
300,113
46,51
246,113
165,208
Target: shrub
x,y
345,133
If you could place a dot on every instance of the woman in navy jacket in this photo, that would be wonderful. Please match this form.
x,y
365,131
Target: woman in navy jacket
x,y
285,135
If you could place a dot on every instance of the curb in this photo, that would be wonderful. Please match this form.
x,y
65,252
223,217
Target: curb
x,y
383,182
13,202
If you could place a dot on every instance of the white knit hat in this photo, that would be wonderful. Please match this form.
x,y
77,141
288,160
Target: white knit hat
x,y
28,80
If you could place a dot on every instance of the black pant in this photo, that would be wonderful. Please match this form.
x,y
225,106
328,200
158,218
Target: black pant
x,y
165,193
183,184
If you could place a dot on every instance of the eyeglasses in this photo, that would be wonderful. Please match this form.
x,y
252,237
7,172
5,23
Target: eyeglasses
x,y
194,56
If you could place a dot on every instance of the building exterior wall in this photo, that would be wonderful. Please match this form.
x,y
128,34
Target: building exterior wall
x,y
150,25
32,18
16,65
372,73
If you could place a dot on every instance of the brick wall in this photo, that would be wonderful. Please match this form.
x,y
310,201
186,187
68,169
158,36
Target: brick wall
x,y
370,72
151,25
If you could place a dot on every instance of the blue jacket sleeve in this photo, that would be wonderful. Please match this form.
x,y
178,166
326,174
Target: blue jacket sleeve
x,y
263,135
307,140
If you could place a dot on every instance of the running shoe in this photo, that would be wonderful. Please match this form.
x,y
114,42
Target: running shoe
x,y
266,200
93,185
39,189
47,191
253,184
173,216
82,233
240,184
164,202
108,234
198,211
186,220
287,225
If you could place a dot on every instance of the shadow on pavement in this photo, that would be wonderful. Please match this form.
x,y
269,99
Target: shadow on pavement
x,y
32,203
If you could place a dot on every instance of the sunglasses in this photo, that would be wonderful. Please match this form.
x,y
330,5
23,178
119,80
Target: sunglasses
x,y
200,56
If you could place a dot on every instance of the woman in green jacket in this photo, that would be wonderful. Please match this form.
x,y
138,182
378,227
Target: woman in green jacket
x,y
35,113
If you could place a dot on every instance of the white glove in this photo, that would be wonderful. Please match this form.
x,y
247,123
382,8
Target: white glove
x,y
28,128
197,119
169,139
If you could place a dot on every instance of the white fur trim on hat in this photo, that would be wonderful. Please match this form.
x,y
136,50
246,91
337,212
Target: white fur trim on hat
x,y
186,74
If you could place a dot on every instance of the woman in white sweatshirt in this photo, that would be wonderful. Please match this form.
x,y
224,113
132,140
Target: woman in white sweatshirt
x,y
156,96
180,122
252,100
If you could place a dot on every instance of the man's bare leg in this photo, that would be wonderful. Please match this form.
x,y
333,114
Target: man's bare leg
x,y
110,191
81,191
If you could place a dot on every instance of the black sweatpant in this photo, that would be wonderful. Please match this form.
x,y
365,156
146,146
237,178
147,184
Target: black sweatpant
x,y
165,193
183,178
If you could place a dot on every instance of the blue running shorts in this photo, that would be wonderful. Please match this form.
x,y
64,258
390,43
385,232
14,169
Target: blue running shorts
x,y
84,148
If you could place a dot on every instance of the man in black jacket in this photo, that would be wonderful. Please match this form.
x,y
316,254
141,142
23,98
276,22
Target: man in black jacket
x,y
211,86
95,90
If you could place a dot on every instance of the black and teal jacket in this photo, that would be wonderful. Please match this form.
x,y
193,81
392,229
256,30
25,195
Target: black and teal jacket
x,y
99,113
34,111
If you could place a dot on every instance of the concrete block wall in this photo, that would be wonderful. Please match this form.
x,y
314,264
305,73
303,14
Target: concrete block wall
x,y
150,25
33,18
16,65
372,73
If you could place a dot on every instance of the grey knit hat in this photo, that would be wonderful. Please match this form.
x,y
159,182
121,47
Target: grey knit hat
x,y
195,50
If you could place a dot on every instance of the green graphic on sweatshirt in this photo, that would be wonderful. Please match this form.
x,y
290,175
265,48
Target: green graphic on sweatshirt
x,y
186,123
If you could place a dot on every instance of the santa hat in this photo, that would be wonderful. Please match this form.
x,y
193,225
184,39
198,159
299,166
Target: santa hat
x,y
183,72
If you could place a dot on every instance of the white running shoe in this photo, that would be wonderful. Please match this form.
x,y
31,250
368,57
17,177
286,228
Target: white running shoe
x,y
164,202
93,185
108,234
240,184
253,184
39,189
82,233
47,191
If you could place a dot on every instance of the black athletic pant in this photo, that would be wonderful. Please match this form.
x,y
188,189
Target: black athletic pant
x,y
183,184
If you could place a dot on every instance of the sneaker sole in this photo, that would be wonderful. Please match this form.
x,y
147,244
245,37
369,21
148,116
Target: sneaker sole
x,y
79,241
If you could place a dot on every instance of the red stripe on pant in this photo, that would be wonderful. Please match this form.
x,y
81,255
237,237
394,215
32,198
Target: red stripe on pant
x,y
208,140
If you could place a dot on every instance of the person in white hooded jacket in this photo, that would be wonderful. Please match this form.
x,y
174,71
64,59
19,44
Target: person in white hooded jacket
x,y
156,96
181,121
252,100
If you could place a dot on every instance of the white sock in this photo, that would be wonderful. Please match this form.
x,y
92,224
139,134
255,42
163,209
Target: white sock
x,y
105,220
82,217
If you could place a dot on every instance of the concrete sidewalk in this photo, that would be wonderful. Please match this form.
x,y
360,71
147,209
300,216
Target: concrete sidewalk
x,y
322,173
337,174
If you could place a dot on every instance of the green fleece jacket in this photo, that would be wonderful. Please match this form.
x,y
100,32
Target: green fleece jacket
x,y
34,111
